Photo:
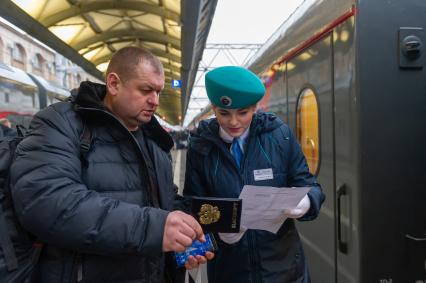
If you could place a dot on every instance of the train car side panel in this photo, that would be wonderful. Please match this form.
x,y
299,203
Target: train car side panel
x,y
311,71
346,152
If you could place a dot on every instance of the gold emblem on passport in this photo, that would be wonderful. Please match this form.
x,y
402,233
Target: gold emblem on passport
x,y
209,214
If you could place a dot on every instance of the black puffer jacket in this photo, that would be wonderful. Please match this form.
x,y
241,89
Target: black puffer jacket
x,y
96,220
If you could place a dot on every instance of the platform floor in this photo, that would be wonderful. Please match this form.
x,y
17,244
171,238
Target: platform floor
x,y
179,164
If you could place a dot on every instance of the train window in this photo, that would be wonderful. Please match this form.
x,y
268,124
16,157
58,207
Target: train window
x,y
6,97
307,128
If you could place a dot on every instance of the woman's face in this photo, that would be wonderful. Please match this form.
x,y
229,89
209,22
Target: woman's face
x,y
234,121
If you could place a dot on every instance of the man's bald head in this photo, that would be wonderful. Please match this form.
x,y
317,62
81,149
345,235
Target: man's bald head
x,y
125,61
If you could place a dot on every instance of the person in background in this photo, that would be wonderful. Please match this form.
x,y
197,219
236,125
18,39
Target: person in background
x,y
225,153
104,215
6,128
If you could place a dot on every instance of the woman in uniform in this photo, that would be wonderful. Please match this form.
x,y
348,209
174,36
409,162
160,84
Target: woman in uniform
x,y
235,149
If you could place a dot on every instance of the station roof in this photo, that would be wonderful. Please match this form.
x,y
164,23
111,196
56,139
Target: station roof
x,y
88,32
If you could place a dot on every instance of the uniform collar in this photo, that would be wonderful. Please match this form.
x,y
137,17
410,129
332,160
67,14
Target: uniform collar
x,y
228,138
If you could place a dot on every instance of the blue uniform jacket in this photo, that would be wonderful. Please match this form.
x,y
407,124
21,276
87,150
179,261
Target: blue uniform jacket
x,y
260,256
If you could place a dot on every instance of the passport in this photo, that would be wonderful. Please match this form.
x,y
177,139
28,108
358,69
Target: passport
x,y
217,214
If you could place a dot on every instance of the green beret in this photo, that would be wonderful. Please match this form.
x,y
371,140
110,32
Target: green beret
x,y
233,87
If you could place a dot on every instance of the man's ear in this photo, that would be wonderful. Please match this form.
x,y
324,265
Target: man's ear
x,y
112,83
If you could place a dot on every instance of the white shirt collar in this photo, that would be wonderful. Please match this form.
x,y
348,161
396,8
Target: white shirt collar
x,y
228,138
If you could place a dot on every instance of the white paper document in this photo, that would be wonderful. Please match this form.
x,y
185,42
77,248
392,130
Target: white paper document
x,y
263,207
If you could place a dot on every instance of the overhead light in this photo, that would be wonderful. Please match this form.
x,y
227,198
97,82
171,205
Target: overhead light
x,y
89,55
305,56
103,66
290,66
344,35
66,33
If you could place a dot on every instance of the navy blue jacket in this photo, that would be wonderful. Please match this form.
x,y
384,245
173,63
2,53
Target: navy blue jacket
x,y
260,256
97,219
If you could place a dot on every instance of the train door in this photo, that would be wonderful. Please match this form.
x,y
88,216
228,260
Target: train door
x,y
346,154
310,114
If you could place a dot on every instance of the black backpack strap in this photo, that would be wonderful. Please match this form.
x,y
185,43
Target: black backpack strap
x,y
85,143
6,243
22,131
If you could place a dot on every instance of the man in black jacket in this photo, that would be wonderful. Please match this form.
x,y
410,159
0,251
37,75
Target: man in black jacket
x,y
106,219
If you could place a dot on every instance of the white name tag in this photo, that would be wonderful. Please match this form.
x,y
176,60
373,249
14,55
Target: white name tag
x,y
263,174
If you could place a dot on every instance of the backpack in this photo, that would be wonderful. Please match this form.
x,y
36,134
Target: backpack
x,y
19,250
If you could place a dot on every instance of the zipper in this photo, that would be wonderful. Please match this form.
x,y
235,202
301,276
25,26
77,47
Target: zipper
x,y
245,175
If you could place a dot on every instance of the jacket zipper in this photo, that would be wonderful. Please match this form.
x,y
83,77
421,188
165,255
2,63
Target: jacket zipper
x,y
245,176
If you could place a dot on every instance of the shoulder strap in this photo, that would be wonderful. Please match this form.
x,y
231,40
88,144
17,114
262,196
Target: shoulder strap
x,y
22,131
85,138
86,134
85,142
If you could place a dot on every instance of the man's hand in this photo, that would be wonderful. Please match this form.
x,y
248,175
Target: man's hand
x,y
180,230
194,262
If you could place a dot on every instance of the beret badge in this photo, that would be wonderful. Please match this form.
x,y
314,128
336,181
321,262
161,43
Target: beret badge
x,y
226,101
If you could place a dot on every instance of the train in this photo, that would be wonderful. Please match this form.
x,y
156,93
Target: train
x,y
349,77
23,94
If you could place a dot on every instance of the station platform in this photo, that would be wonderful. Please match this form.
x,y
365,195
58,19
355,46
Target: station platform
x,y
179,165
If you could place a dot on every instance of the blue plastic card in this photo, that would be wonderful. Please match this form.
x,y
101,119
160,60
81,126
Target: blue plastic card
x,y
197,248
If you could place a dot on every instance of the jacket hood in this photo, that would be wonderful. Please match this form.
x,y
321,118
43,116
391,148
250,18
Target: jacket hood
x,y
91,95
207,133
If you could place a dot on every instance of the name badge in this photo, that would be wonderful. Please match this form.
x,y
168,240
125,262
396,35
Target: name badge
x,y
263,174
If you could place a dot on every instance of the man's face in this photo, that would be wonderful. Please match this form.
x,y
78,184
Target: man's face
x,y
135,100
234,121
